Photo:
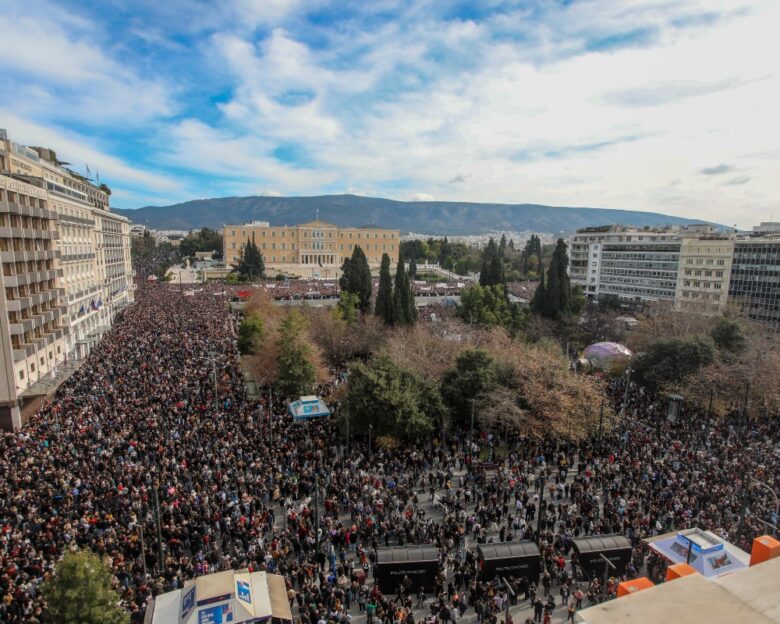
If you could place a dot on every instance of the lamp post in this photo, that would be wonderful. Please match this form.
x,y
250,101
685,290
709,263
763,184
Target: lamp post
x,y
471,431
623,406
370,429
767,487
542,482
601,420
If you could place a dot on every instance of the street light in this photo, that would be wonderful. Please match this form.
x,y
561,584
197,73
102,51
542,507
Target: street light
x,y
370,429
774,494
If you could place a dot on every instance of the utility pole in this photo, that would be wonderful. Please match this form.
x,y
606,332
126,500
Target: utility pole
x,y
541,505
317,514
509,590
347,441
143,549
601,420
471,433
625,400
159,529
216,390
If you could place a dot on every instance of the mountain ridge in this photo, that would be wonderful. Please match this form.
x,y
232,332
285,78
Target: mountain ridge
x,y
422,217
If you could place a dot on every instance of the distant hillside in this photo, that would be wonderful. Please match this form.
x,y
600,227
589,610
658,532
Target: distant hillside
x,y
428,217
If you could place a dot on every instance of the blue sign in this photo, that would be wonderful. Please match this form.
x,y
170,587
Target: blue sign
x,y
187,603
243,591
219,614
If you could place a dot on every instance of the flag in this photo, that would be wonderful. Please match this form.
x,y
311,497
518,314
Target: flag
x,y
81,310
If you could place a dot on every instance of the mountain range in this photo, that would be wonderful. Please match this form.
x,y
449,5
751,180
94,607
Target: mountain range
x,y
423,217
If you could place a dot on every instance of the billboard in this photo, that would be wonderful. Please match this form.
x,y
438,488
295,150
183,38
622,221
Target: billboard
x,y
188,601
216,614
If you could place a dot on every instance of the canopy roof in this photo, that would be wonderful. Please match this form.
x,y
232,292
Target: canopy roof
x,y
604,352
247,597
508,550
710,555
403,554
747,596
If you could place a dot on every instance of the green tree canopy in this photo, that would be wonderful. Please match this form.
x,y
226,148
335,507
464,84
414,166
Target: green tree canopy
x,y
383,307
475,375
205,239
404,310
394,400
484,305
296,374
80,592
251,265
492,271
347,307
672,360
356,278
554,299
729,335
250,333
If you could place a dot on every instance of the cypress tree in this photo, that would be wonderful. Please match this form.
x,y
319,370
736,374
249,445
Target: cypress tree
x,y
564,284
399,305
538,300
356,278
552,294
413,268
384,296
410,309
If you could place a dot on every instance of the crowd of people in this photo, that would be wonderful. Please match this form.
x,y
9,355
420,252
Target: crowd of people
x,y
155,436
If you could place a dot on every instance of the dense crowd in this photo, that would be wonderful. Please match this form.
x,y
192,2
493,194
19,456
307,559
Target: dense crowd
x,y
157,425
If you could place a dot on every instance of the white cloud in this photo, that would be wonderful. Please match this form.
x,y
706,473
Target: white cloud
x,y
270,193
78,151
55,68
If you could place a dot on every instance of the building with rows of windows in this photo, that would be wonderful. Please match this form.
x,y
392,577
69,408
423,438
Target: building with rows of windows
x,y
311,250
698,267
66,273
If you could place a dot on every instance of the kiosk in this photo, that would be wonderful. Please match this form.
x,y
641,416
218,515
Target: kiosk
x,y
419,563
519,560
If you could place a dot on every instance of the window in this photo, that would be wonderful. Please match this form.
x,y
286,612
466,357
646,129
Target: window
x,y
21,374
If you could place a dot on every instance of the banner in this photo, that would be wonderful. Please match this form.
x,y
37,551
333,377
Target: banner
x,y
218,614
188,601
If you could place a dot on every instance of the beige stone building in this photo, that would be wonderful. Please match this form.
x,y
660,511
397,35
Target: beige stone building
x,y
32,329
310,250
704,273
66,273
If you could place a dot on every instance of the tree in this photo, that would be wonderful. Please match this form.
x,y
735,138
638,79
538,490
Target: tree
x,y
554,299
205,239
492,272
413,268
673,360
250,333
475,375
393,399
356,278
729,335
502,246
80,592
347,307
404,310
296,374
250,263
484,306
383,306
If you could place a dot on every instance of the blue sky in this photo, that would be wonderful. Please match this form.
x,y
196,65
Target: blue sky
x,y
637,104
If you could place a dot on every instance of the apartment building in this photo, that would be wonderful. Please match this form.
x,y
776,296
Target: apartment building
x,y
313,250
755,279
629,263
705,271
90,258
32,332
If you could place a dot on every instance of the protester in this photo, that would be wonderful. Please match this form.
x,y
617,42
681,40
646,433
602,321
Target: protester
x,y
147,430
